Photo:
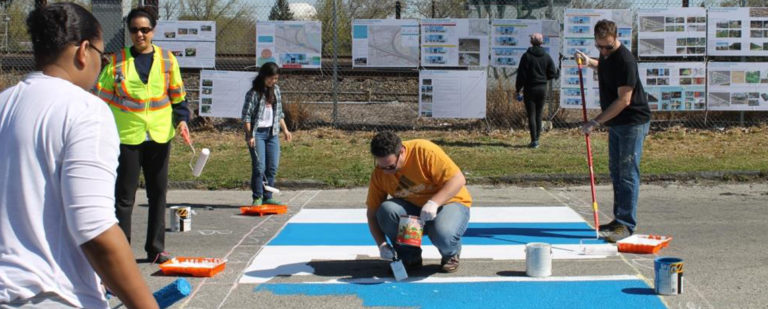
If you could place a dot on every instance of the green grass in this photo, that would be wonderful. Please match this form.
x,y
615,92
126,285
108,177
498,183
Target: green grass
x,y
341,159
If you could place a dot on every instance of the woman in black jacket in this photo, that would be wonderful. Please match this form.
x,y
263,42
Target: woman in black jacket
x,y
536,68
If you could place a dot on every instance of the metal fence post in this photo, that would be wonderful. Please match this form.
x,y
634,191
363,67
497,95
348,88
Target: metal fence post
x,y
335,82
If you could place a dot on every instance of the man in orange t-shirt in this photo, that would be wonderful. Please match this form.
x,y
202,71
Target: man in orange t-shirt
x,y
422,181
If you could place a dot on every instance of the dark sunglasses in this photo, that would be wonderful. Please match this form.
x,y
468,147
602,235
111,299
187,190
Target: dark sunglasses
x,y
104,58
390,167
143,30
606,47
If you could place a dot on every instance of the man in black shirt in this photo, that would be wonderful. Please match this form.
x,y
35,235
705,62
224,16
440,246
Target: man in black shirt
x,y
626,113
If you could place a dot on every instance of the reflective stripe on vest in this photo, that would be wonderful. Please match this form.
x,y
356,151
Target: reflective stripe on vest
x,y
132,104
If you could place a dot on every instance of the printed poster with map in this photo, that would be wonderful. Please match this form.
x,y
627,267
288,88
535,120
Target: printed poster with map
x,y
737,86
578,33
222,93
510,38
737,31
677,32
385,43
674,86
454,42
290,44
192,42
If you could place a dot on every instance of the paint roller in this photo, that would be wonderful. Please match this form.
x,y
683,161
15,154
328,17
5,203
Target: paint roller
x,y
169,294
199,160
172,293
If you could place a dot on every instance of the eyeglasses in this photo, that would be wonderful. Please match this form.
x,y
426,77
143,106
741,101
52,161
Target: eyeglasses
x,y
390,167
104,58
143,30
608,47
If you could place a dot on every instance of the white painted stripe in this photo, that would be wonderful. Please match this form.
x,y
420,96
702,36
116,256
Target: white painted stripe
x,y
477,279
554,214
273,261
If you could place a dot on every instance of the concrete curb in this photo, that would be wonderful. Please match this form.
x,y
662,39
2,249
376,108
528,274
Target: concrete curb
x,y
523,180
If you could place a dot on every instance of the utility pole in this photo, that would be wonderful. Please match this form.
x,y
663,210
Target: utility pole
x,y
335,83
433,8
397,9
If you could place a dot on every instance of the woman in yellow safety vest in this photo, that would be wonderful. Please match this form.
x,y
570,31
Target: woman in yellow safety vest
x,y
144,90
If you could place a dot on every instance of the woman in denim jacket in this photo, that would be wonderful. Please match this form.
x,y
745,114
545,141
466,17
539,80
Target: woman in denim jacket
x,y
263,117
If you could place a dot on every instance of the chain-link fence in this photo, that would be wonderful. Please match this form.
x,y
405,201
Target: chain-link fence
x,y
340,95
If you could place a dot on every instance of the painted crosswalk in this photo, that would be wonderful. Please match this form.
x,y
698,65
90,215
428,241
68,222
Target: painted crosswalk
x,y
498,233
317,237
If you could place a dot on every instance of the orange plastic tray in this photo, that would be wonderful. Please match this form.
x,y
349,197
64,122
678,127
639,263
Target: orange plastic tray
x,y
266,209
640,243
208,266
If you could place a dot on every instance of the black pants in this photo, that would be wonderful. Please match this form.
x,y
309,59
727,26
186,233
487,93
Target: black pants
x,y
152,159
534,103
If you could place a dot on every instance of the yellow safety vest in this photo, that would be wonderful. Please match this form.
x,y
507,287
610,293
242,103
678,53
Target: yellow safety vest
x,y
139,108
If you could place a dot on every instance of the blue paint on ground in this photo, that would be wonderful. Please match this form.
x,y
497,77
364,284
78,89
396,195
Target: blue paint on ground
x,y
357,234
527,294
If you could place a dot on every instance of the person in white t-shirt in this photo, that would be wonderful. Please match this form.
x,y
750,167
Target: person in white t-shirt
x,y
58,234
263,117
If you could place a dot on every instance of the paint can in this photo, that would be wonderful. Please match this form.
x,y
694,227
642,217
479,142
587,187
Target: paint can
x,y
180,218
538,259
668,273
410,230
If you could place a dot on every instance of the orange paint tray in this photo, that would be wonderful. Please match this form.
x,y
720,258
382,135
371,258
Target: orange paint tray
x,y
266,209
193,266
640,243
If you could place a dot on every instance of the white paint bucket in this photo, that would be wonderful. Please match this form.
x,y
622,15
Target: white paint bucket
x,y
180,218
538,259
668,273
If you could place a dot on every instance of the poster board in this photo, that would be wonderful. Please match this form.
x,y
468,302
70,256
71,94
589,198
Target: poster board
x,y
735,31
674,86
222,93
290,44
452,94
570,92
192,42
737,86
510,38
385,43
578,33
454,42
677,32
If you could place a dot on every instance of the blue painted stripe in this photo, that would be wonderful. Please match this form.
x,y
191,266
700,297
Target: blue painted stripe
x,y
357,234
527,294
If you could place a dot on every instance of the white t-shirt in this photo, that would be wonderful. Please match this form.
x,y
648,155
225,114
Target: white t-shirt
x,y
267,118
58,160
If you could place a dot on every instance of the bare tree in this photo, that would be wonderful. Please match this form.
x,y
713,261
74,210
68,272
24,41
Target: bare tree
x,y
169,9
234,22
343,27
442,8
369,9
600,4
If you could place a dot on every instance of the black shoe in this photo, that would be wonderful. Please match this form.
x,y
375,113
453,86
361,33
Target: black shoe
x,y
451,264
610,226
414,264
617,234
159,258
534,144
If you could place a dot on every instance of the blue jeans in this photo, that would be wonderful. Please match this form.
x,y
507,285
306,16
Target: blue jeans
x,y
265,158
445,231
625,149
